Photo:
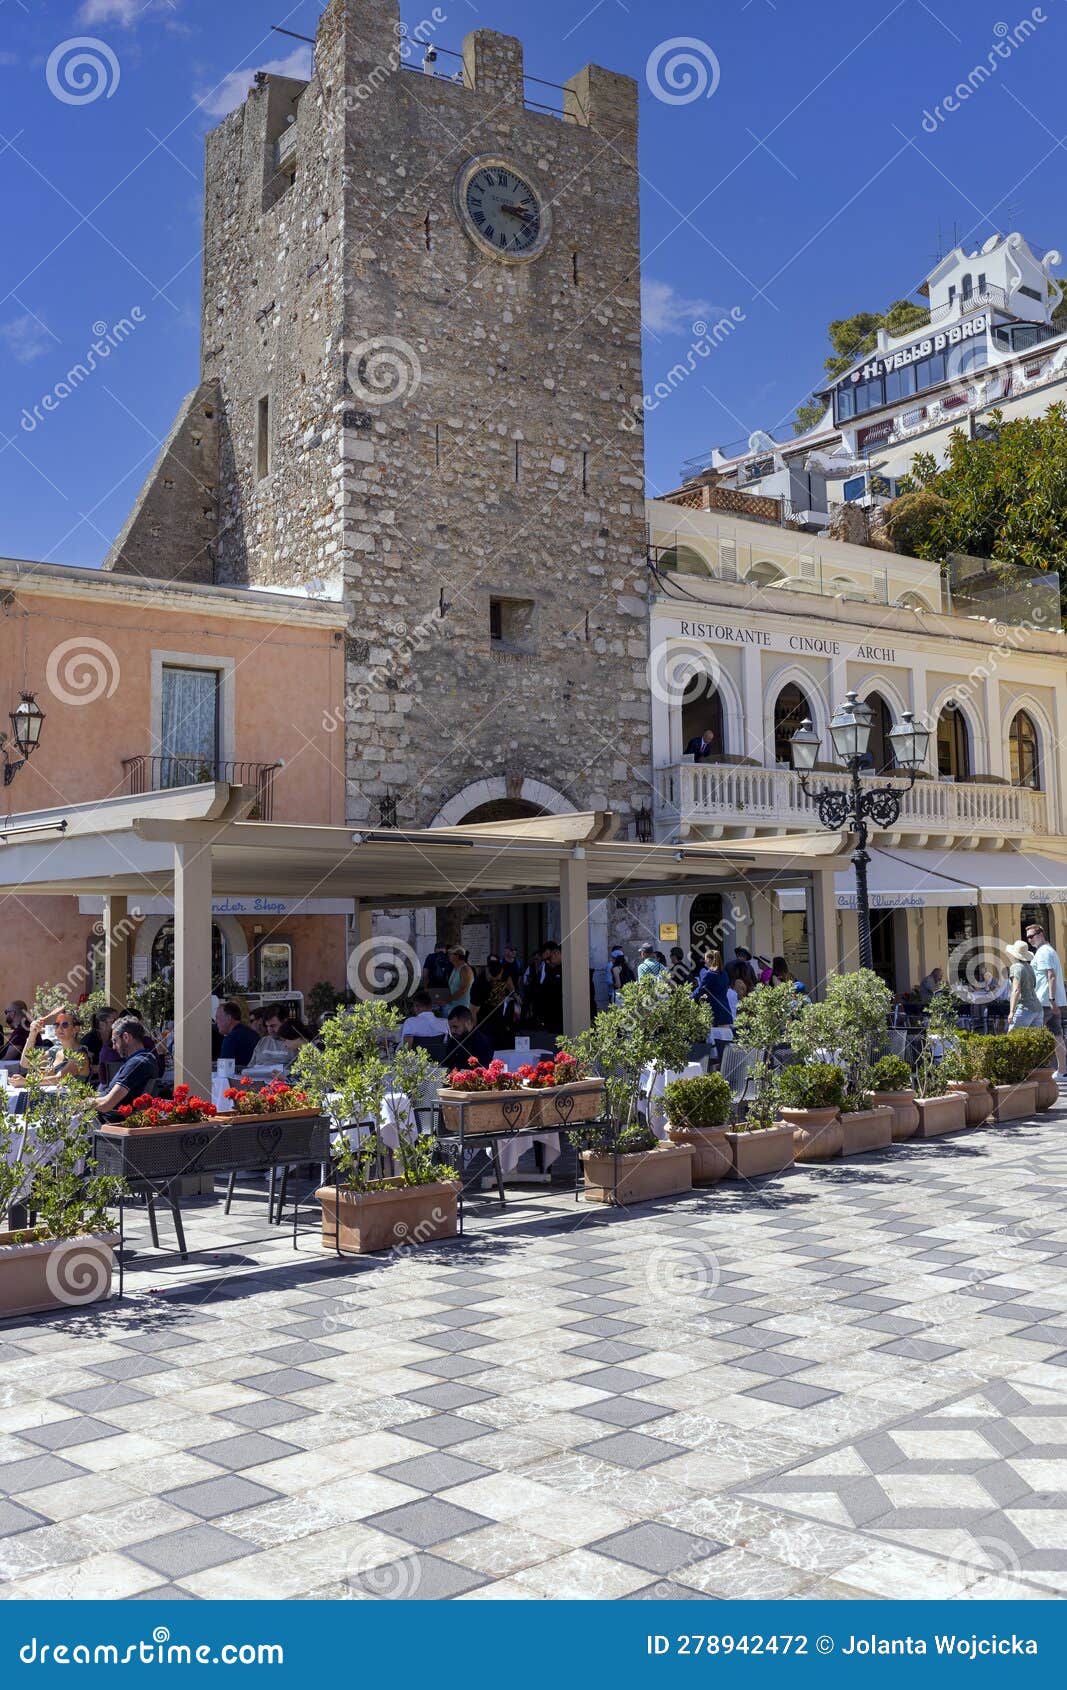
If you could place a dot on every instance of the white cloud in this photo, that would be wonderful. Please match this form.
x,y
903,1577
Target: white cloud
x,y
26,337
229,93
124,12
665,311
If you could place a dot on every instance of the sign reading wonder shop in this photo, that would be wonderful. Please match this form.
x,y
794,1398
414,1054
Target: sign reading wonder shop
x,y
800,644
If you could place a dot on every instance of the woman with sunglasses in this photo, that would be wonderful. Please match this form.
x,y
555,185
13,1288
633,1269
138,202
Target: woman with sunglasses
x,y
68,1056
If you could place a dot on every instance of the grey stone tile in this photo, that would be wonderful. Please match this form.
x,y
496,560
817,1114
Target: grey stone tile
x,y
192,1549
617,1379
442,1430
66,1434
602,1327
283,1381
165,1593
246,1449
435,1472
447,1396
427,1522
15,1518
99,1398
631,1449
667,1590
918,1349
268,1411
452,1367
210,1499
34,1471
418,1578
131,1367
622,1411
296,1354
151,1343
656,1547
792,1392
459,1318
454,1341
609,1351
766,1361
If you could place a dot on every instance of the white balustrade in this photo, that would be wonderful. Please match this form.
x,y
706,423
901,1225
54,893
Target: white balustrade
x,y
738,796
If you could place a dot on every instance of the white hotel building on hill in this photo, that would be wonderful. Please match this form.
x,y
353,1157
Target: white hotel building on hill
x,y
774,620
754,627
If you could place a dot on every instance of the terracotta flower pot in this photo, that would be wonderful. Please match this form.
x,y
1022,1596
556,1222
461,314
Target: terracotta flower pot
x,y
711,1153
490,1111
905,1112
663,1172
937,1115
1014,1103
765,1150
1048,1090
49,1273
867,1129
817,1134
394,1217
979,1099
560,1107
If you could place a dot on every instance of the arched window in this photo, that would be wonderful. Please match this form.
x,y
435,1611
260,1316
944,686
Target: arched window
x,y
1022,745
953,743
882,761
765,575
702,708
683,560
790,709
162,958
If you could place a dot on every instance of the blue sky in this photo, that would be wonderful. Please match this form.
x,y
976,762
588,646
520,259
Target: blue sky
x,y
808,179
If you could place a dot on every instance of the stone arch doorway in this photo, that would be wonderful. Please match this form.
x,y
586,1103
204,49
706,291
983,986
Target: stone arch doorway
x,y
229,946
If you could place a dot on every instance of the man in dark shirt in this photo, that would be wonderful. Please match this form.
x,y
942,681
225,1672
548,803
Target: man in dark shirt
x,y
137,1073
702,746
17,1016
238,1039
464,1041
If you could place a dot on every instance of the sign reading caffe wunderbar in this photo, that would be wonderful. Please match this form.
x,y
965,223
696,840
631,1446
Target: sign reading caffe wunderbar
x,y
798,645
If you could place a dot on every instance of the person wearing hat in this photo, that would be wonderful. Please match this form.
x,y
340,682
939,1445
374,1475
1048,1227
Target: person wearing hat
x,y
1024,1006
619,969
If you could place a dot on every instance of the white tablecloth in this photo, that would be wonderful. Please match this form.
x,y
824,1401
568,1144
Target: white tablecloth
x,y
515,1059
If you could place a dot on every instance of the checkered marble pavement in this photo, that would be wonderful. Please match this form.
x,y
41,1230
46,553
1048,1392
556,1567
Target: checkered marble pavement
x,y
845,1382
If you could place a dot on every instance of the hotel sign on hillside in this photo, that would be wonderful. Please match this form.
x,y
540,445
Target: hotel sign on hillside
x,y
938,341
805,644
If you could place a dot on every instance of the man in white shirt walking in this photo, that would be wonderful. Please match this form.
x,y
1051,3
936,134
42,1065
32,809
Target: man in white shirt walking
x,y
1051,989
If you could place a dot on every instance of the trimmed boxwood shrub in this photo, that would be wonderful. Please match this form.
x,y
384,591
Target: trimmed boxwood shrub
x,y
890,1073
705,1100
812,1085
633,1140
1006,1059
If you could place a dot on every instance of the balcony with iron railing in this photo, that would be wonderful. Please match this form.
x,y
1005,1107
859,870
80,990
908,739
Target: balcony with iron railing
x,y
739,800
162,773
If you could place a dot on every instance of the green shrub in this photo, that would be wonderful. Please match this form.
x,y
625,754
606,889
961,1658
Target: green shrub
x,y
635,1140
1005,1059
812,1085
890,1073
703,1101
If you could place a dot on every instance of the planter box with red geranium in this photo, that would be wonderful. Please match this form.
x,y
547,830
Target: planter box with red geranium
x,y
161,1138
269,1102
490,1099
564,1098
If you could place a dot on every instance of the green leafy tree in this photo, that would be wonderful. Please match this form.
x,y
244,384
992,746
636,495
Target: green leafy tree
x,y
654,1025
1003,498
764,1020
846,1027
854,337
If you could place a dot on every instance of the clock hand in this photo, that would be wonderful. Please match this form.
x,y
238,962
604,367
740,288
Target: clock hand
x,y
518,211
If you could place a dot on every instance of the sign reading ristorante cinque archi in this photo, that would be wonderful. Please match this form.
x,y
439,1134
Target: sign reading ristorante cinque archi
x,y
799,644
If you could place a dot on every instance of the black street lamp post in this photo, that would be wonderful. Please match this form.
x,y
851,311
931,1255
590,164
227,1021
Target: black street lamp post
x,y
27,720
853,806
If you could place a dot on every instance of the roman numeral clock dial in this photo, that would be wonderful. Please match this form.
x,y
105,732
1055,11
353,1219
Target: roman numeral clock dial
x,y
501,210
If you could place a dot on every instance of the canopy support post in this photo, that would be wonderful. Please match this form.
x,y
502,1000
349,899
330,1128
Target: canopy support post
x,y
192,967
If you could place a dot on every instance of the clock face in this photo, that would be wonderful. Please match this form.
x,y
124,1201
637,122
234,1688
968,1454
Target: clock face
x,y
501,210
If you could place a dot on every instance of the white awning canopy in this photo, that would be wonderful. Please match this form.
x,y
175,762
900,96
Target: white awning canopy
x,y
923,880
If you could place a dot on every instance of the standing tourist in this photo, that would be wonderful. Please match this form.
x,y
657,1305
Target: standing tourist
x,y
1051,992
460,980
1024,1009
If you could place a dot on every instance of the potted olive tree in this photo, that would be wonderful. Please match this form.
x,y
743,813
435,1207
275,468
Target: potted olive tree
x,y
891,1088
362,1081
940,1110
698,1113
811,1095
847,1027
67,1257
759,1142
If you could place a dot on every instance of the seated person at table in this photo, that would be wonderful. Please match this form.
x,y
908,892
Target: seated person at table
x,y
97,1040
238,1040
67,1058
138,1071
464,1041
424,1024
281,1042
17,1017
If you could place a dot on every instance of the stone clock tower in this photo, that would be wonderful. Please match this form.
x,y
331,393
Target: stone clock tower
x,y
420,394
